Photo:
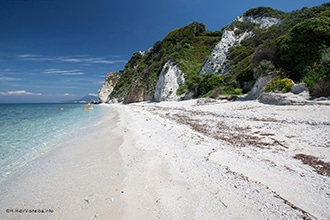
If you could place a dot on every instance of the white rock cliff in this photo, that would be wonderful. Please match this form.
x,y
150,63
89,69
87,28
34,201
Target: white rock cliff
x,y
216,63
265,22
168,83
107,88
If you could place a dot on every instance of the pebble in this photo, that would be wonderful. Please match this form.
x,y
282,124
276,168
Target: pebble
x,y
89,198
94,217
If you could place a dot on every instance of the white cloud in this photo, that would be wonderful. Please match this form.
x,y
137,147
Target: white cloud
x,y
63,72
102,61
19,93
27,55
92,94
33,57
68,95
71,59
3,78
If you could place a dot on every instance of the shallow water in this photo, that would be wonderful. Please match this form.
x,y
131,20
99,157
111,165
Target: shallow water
x,y
28,131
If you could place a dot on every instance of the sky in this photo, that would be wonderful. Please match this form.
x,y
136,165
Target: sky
x,y
59,50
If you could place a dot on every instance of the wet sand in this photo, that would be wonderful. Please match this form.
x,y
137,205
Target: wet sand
x,y
80,179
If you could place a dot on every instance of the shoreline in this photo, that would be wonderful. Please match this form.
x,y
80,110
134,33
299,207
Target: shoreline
x,y
181,160
36,130
77,179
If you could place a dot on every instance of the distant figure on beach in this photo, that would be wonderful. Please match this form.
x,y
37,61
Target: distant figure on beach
x,y
88,107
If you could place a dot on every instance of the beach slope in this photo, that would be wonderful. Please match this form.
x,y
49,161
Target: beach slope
x,y
183,160
226,160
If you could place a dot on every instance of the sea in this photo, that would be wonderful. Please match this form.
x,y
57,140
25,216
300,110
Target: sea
x,y
28,131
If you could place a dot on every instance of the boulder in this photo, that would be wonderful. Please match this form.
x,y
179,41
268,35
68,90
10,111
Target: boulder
x,y
88,107
204,101
188,96
261,82
299,88
284,98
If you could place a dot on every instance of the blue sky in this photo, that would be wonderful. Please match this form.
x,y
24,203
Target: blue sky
x,y
56,50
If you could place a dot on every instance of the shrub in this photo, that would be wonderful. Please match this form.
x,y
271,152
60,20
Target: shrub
x,y
265,66
263,12
318,75
262,53
321,88
246,74
183,88
313,75
303,45
225,91
210,82
279,84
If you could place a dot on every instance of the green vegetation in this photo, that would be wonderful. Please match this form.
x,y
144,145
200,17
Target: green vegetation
x,y
187,47
279,84
298,49
264,12
303,45
228,91
317,77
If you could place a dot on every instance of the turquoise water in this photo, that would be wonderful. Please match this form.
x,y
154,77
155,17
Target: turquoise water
x,y
28,131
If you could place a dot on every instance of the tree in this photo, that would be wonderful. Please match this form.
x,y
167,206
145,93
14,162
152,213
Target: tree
x,y
302,46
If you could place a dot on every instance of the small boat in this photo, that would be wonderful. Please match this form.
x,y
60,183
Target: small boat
x,y
88,107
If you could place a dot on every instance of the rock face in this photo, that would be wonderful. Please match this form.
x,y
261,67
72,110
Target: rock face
x,y
107,87
299,94
168,83
284,98
265,22
137,94
216,63
261,82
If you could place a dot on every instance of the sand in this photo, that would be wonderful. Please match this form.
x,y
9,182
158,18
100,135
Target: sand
x,y
180,160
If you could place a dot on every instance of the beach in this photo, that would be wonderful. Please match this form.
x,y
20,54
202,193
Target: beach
x,y
183,160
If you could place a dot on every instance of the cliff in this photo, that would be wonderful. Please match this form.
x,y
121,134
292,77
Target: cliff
x,y
217,61
181,52
107,87
193,62
170,78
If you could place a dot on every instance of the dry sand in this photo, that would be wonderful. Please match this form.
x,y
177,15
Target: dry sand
x,y
180,160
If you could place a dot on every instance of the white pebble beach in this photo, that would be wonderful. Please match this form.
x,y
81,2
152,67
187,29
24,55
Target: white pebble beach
x,y
180,160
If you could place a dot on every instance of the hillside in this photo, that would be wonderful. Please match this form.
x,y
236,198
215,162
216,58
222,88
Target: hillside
x,y
193,62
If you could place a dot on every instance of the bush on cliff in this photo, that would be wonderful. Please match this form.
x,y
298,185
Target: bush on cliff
x,y
294,48
186,47
303,45
298,48
317,77
279,84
